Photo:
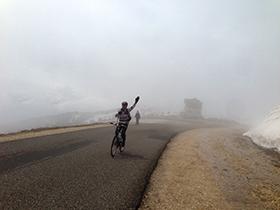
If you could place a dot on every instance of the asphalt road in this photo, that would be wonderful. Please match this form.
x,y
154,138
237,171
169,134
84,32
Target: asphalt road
x,y
75,170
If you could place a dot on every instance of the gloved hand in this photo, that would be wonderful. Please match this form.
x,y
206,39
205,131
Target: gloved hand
x,y
137,99
120,112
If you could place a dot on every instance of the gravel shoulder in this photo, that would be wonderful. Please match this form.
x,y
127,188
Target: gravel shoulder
x,y
46,131
214,169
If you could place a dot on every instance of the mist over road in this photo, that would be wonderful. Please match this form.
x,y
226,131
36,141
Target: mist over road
x,y
75,169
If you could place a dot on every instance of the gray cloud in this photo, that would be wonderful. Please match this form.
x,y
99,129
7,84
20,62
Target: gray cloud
x,y
91,55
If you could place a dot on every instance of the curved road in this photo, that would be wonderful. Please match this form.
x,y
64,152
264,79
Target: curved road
x,y
74,170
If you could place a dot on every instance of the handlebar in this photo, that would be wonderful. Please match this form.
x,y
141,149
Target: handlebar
x,y
117,124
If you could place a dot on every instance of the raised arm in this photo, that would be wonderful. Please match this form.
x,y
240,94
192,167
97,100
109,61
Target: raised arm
x,y
133,106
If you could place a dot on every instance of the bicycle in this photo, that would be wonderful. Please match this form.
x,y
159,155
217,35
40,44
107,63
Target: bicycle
x,y
117,140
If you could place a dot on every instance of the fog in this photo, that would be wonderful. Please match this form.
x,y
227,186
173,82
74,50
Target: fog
x,y
61,56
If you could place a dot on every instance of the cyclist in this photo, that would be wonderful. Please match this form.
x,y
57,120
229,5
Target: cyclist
x,y
124,117
137,116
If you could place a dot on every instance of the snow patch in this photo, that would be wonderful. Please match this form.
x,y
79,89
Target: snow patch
x,y
267,134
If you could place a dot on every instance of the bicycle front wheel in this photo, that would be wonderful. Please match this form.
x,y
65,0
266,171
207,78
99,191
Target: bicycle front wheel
x,y
121,148
114,146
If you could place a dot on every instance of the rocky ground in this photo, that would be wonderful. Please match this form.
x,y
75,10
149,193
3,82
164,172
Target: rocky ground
x,y
214,169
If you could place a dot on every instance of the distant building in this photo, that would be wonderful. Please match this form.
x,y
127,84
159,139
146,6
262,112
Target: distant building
x,y
193,108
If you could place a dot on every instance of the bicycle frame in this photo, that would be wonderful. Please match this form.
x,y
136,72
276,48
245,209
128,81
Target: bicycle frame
x,y
119,127
117,140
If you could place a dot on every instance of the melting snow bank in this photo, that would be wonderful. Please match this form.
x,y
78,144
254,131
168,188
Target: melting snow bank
x,y
268,133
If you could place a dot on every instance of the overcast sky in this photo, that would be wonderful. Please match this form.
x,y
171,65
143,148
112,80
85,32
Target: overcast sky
x,y
61,56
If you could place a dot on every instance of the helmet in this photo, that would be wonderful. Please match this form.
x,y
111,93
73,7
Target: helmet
x,y
124,103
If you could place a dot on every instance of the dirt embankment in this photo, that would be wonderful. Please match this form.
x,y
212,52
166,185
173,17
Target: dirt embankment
x,y
214,169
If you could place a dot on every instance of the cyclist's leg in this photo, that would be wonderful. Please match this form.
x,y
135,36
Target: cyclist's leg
x,y
124,128
117,130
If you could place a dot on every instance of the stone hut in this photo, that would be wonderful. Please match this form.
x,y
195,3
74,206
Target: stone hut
x,y
193,108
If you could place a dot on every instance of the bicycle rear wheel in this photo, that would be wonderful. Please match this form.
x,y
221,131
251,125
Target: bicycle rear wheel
x,y
114,146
